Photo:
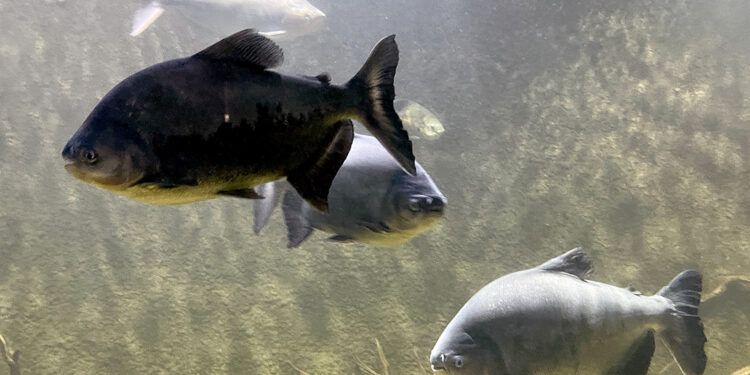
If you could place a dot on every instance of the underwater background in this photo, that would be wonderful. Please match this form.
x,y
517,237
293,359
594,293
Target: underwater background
x,y
622,127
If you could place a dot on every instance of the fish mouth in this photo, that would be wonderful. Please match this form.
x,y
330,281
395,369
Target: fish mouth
x,y
436,368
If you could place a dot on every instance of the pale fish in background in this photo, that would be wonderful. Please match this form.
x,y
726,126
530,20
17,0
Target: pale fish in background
x,y
371,199
274,18
417,118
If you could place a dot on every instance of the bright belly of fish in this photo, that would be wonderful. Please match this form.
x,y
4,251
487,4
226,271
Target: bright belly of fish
x,y
205,190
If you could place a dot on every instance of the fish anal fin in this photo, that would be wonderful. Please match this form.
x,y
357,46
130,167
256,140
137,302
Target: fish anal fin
x,y
297,226
341,239
263,208
575,262
638,357
246,47
313,180
241,193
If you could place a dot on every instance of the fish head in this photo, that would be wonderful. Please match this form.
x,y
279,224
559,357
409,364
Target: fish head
x,y
415,201
303,10
300,18
458,352
107,154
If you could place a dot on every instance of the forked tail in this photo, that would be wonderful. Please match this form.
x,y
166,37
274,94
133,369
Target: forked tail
x,y
684,334
374,85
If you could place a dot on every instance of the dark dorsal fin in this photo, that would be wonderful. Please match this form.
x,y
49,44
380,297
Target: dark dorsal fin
x,y
245,47
575,262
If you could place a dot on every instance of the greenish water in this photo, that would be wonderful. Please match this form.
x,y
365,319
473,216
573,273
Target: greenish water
x,y
621,127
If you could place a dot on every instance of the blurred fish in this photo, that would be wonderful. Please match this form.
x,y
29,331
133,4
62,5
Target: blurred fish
x,y
418,118
288,18
219,123
371,201
551,320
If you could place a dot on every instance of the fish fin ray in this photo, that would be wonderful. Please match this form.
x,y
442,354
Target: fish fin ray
x,y
374,83
638,358
575,262
241,193
684,336
263,208
313,180
246,47
297,225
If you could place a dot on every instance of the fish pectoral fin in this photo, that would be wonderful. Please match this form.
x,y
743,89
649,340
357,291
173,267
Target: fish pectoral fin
x,y
167,183
575,262
379,227
297,225
241,193
341,239
246,47
638,357
313,179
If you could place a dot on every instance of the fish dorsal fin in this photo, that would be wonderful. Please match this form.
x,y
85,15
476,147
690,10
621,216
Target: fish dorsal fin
x,y
245,47
575,262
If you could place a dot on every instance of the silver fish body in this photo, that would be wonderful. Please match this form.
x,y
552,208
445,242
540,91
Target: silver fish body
x,y
371,201
551,320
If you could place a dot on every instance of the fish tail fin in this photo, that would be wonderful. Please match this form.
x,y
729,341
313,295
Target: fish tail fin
x,y
374,84
684,335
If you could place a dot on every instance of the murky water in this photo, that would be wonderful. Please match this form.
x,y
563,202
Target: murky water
x,y
621,127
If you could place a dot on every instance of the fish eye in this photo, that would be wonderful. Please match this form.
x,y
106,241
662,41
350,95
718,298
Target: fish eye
x,y
413,204
90,156
458,362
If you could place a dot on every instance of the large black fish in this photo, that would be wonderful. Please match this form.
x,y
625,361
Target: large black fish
x,y
371,201
219,123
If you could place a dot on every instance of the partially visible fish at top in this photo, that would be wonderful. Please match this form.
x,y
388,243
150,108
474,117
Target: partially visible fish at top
x,y
280,19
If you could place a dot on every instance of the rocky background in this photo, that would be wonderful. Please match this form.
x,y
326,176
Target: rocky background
x,y
619,126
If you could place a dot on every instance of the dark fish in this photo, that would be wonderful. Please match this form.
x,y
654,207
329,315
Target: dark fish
x,y
371,201
219,123
551,320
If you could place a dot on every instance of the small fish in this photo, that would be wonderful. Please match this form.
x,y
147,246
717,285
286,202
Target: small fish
x,y
418,118
552,320
371,201
219,123
281,17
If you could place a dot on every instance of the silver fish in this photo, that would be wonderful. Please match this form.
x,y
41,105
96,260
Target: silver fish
x,y
552,320
274,18
371,201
